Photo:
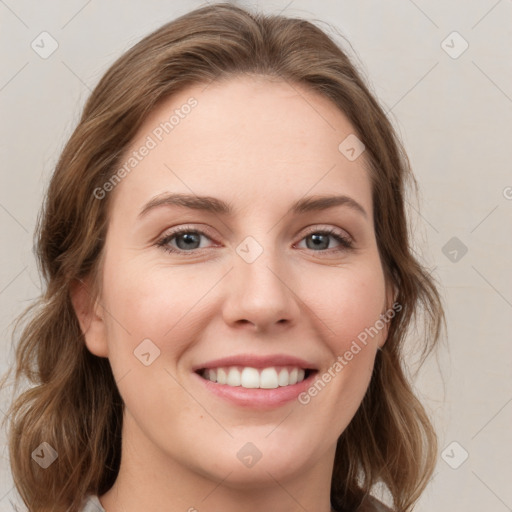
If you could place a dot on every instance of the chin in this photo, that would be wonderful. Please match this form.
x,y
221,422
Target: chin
x,y
273,468
255,463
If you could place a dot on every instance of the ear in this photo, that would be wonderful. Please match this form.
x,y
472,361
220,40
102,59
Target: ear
x,y
390,311
90,317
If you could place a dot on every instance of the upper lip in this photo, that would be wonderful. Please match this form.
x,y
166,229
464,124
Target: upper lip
x,y
255,361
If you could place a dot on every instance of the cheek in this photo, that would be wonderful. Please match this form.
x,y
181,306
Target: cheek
x,y
159,305
349,308
349,303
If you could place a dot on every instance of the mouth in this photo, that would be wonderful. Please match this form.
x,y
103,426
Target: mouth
x,y
247,377
256,381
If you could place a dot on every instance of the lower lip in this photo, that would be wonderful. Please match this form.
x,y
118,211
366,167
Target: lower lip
x,y
257,398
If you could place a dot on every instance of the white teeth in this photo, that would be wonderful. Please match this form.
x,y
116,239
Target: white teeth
x,y
284,377
268,378
251,378
221,376
234,378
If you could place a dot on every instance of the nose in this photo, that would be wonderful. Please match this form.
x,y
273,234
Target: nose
x,y
260,295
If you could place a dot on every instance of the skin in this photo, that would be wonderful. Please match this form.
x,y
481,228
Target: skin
x,y
259,145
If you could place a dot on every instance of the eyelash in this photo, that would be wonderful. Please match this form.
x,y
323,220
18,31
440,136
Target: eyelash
x,y
345,242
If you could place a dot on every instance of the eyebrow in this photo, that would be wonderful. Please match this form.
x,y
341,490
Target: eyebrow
x,y
215,205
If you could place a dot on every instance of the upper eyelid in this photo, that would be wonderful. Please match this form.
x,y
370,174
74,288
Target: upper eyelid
x,y
206,230
177,230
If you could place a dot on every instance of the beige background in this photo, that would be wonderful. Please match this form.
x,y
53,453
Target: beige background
x,y
454,113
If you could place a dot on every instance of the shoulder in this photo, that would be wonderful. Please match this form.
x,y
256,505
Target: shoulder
x,y
371,504
92,504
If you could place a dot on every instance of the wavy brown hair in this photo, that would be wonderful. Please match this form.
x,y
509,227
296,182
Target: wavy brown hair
x,y
72,401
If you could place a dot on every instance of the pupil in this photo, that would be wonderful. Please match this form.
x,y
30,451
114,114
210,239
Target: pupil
x,y
317,240
188,238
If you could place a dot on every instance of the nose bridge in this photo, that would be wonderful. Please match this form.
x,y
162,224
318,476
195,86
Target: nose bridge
x,y
258,291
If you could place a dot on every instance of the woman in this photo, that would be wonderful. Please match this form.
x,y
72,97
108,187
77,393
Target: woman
x,y
263,367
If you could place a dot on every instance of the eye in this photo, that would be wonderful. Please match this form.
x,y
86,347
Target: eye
x,y
188,240
182,240
319,240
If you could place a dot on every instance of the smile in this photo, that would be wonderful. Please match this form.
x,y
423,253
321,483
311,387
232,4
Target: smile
x,y
255,378
256,381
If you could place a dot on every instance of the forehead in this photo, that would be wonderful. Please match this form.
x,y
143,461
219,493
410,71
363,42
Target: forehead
x,y
263,139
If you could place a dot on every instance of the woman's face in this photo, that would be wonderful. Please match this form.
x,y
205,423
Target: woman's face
x,y
258,289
